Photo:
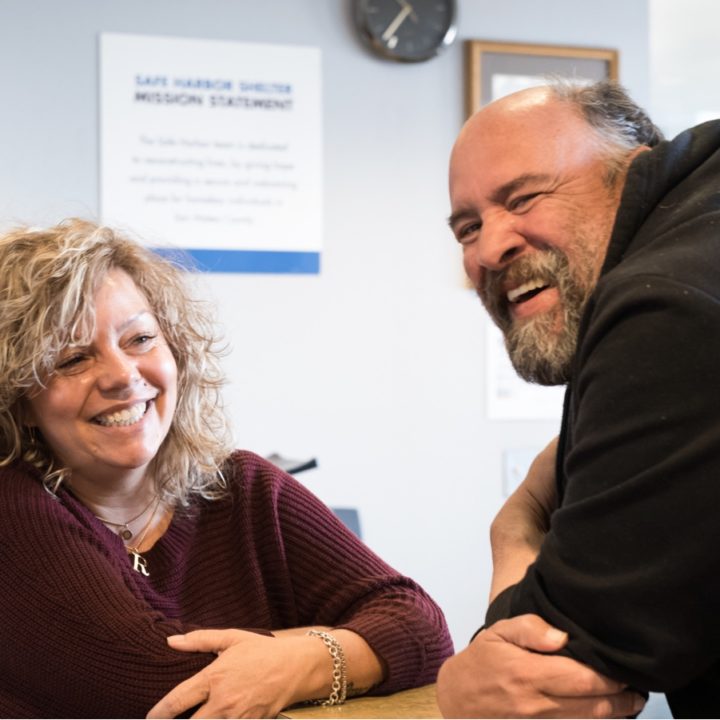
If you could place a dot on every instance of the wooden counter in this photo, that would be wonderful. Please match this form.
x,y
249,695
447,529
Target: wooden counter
x,y
417,703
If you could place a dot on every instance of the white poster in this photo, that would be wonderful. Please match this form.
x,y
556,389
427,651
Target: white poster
x,y
214,147
508,396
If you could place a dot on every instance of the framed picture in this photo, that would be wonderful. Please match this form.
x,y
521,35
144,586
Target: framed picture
x,y
494,69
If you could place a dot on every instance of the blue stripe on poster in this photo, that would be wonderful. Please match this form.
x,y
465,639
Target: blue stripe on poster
x,y
243,261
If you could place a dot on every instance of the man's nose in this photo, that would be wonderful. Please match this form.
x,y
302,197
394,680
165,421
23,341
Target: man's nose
x,y
117,373
498,243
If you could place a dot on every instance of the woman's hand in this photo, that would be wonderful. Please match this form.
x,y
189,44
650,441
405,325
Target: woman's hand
x,y
254,675
257,676
520,526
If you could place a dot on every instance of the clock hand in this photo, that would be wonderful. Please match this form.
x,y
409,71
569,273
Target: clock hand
x,y
405,4
396,23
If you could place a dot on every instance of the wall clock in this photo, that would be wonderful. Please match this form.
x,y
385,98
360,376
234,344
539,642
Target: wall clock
x,y
406,30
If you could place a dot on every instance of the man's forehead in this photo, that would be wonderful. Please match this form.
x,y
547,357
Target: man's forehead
x,y
522,117
529,132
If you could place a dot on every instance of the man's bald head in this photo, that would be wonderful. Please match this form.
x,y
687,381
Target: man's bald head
x,y
619,123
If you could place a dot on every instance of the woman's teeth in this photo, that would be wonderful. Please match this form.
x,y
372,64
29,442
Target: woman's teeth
x,y
129,416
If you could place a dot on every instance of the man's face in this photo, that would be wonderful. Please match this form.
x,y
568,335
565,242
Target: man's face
x,y
533,212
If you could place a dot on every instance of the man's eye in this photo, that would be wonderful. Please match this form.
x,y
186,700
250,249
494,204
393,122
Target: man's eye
x,y
465,234
519,202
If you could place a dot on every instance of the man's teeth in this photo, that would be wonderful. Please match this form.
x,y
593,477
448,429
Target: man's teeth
x,y
527,287
123,417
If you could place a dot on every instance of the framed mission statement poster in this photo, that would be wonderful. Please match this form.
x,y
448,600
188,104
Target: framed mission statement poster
x,y
214,148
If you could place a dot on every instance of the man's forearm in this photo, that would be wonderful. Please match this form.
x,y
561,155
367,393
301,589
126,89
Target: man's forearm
x,y
509,567
518,530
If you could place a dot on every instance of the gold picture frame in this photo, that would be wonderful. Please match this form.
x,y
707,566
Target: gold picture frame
x,y
494,69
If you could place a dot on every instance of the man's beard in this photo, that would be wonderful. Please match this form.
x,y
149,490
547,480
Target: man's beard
x,y
542,348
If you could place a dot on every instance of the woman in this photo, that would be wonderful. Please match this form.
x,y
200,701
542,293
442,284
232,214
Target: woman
x,y
129,523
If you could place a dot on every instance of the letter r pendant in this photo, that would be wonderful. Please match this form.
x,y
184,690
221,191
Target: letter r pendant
x,y
139,563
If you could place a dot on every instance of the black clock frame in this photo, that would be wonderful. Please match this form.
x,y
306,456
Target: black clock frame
x,y
372,40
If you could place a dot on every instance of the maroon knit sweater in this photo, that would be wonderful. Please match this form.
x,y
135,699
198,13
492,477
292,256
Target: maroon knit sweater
x,y
83,635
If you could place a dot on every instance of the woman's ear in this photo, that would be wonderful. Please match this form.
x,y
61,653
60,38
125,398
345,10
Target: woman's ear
x,y
23,413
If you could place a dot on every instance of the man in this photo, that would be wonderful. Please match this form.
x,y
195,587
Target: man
x,y
596,249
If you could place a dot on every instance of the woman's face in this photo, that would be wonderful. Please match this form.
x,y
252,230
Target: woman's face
x,y
109,406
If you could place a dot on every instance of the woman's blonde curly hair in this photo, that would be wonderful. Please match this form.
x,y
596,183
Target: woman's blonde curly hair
x,y
47,288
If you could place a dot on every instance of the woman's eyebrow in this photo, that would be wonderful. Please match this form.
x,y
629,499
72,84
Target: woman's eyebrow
x,y
126,323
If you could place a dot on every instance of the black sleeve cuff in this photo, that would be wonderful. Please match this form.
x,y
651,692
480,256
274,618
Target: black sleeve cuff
x,y
500,607
499,610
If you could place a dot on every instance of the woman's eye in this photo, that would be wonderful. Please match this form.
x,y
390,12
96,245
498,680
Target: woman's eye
x,y
71,362
143,340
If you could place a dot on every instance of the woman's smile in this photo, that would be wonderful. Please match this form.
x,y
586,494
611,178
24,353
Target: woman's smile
x,y
130,415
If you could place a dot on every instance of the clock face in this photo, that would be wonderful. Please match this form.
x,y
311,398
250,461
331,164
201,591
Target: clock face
x,y
406,30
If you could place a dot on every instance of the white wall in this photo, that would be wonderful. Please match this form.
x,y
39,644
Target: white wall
x,y
375,366
685,62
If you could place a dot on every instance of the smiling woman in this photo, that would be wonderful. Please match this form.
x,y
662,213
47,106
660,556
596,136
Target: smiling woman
x,y
147,567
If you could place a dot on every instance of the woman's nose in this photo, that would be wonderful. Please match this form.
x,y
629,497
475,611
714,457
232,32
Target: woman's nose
x,y
117,373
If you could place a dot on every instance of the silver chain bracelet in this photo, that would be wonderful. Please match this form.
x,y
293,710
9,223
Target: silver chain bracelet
x,y
339,671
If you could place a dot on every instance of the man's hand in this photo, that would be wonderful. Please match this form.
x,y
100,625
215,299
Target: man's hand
x,y
502,674
254,676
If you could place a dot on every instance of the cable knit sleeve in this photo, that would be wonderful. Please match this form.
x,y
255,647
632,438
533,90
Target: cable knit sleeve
x,y
83,635
331,578
76,640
